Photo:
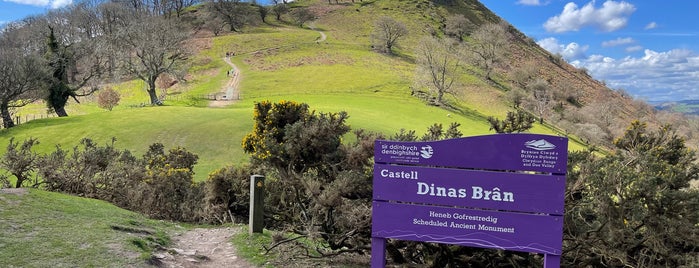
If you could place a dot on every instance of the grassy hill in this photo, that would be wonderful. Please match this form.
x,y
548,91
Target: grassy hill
x,y
282,61
45,229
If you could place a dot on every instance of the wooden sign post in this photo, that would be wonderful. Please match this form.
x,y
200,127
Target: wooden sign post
x,y
257,197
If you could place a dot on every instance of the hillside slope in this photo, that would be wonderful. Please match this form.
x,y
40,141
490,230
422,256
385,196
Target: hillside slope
x,y
45,229
281,61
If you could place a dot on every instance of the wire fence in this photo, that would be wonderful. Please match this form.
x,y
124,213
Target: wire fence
x,y
21,119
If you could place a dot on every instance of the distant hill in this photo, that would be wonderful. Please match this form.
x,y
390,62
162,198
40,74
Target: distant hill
x,y
690,107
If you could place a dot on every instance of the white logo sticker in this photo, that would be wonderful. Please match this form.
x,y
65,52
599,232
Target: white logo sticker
x,y
540,145
426,151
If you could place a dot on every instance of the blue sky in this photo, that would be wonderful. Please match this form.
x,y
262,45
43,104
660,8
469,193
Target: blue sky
x,y
648,48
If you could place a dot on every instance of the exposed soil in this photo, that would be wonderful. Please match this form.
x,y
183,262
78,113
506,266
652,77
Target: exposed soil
x,y
16,191
229,93
202,247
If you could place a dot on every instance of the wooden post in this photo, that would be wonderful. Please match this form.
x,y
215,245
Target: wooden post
x,y
257,195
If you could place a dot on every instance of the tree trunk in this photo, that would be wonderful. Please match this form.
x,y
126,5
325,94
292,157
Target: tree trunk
x,y
6,117
60,111
19,182
152,93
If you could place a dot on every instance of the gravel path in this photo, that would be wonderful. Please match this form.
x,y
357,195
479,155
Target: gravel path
x,y
229,93
203,247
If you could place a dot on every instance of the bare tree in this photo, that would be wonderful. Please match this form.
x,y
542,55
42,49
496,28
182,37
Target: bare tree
x,y
155,46
214,23
263,11
457,26
112,17
524,74
234,12
178,6
302,15
541,94
438,62
488,46
516,96
279,9
387,32
22,74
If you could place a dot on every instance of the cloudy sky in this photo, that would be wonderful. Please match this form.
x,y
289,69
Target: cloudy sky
x,y
648,48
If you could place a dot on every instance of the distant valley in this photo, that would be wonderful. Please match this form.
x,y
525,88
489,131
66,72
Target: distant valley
x,y
683,106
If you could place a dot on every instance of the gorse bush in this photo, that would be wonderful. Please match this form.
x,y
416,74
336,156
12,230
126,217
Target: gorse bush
x,y
159,184
634,207
20,162
317,186
227,195
89,170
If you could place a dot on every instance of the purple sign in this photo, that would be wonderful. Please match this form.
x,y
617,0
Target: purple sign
x,y
468,227
525,152
535,193
501,191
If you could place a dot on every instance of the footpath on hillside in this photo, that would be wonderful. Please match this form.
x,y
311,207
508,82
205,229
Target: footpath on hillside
x,y
230,92
202,247
210,247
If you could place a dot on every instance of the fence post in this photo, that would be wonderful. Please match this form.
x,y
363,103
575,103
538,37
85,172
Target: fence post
x,y
257,195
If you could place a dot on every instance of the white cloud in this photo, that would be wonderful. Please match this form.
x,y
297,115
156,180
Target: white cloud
x,y
43,3
60,3
633,48
571,51
39,3
657,76
610,17
618,42
651,25
530,2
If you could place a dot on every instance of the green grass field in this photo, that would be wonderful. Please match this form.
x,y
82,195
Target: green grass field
x,y
213,134
277,63
45,229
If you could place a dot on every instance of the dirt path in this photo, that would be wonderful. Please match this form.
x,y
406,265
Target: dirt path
x,y
322,37
202,248
229,93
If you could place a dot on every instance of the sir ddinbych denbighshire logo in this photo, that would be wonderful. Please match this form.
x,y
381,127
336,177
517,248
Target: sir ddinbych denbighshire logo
x,y
426,151
540,145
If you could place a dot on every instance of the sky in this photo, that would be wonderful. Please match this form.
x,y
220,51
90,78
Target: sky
x,y
648,48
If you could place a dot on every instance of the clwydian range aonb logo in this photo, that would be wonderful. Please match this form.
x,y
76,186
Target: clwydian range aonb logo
x,y
540,145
